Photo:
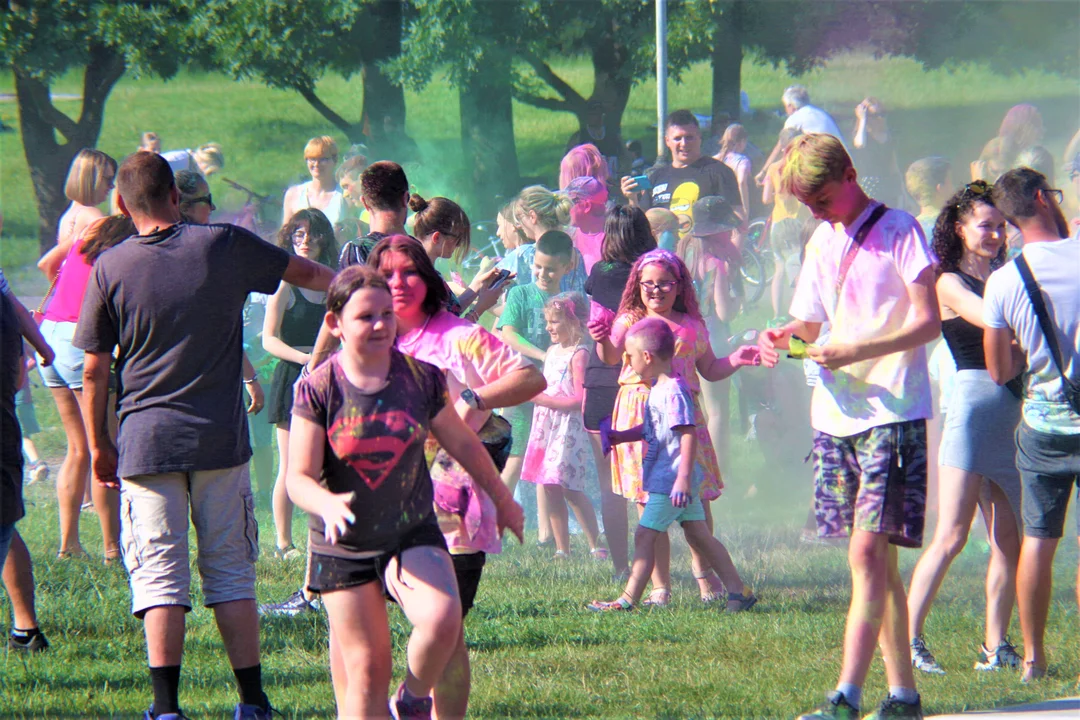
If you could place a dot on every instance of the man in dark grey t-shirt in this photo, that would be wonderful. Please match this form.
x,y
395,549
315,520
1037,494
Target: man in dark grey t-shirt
x,y
170,301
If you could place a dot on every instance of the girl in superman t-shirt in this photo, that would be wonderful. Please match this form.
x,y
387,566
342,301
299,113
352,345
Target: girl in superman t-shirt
x,y
358,430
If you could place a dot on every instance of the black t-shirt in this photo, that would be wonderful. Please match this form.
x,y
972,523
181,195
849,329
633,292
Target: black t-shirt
x,y
375,449
605,286
173,303
11,459
704,177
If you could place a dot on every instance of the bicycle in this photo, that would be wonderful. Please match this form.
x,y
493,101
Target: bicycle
x,y
756,265
252,215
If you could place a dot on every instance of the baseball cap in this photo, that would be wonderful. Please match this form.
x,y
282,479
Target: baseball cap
x,y
713,214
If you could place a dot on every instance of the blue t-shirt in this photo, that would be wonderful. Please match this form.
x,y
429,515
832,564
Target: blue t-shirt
x,y
670,406
520,261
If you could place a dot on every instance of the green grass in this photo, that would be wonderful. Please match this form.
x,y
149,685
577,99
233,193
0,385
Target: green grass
x,y
536,652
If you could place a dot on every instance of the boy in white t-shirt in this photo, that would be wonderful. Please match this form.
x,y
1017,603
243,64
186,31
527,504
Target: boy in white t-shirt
x,y
869,274
1048,439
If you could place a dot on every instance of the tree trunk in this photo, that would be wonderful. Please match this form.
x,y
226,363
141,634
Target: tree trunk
x,y
611,86
40,122
382,98
727,56
487,134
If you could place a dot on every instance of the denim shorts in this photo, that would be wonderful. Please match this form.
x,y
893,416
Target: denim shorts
x,y
1050,471
874,481
660,514
66,370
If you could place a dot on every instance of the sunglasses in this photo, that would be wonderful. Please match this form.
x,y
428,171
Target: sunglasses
x,y
979,187
208,198
651,287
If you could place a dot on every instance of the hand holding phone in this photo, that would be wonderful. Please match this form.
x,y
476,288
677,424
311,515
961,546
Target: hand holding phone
x,y
499,279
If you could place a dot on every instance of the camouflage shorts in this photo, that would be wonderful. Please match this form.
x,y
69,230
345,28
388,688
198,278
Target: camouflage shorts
x,y
874,481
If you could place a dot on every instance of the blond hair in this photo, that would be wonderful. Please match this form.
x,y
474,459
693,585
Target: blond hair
x,y
209,158
552,209
813,160
87,175
322,146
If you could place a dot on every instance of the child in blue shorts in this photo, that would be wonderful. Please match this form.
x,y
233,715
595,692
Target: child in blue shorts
x,y
670,474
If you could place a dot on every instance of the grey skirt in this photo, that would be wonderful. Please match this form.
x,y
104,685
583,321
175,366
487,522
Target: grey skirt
x,y
979,435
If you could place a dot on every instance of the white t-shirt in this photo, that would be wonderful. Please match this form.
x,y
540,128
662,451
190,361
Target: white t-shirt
x,y
812,119
873,303
180,160
1056,268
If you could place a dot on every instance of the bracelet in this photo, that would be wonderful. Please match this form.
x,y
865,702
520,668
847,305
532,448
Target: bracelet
x,y
254,379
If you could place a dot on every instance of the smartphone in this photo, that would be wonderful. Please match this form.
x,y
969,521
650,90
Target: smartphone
x,y
500,279
643,182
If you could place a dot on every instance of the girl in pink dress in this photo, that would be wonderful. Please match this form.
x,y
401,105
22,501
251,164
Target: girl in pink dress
x,y
558,457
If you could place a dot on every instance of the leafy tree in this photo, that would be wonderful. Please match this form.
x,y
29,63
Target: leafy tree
x,y
472,41
40,40
1008,36
292,45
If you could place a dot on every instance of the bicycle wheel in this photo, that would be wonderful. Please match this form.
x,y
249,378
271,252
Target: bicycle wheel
x,y
753,275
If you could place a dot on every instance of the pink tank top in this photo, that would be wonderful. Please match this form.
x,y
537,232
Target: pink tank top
x,y
67,297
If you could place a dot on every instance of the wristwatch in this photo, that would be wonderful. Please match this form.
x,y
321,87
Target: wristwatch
x,y
472,399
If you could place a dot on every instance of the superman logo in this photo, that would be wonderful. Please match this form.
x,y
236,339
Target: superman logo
x,y
372,445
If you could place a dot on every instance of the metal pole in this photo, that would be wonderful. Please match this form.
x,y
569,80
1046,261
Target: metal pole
x,y
661,74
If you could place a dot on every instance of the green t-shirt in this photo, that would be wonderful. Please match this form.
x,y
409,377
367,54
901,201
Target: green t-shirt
x,y
524,311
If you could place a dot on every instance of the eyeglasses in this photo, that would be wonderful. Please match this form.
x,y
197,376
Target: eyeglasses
x,y
1056,194
208,198
650,287
300,235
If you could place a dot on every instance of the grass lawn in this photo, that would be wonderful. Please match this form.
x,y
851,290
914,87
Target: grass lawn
x,y
536,652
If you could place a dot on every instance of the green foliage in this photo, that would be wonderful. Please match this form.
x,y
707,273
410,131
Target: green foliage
x,y
458,37
286,44
46,39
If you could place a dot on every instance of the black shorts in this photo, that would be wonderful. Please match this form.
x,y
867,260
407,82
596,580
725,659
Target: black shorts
x,y
599,404
329,573
468,568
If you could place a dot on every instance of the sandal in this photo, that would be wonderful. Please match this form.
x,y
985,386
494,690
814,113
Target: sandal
x,y
620,604
286,553
659,597
560,556
600,553
76,554
712,595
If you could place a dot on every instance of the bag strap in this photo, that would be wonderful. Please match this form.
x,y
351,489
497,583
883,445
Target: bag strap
x,y
1035,296
856,243
40,312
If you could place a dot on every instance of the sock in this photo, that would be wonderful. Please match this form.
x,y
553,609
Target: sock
x,y
852,694
166,682
904,695
249,681
25,636
407,696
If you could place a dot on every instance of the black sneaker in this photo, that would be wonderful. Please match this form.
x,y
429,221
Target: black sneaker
x,y
896,709
836,707
295,604
34,644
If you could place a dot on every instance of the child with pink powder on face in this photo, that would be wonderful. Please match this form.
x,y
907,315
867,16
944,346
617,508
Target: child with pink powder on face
x,y
661,286
587,215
